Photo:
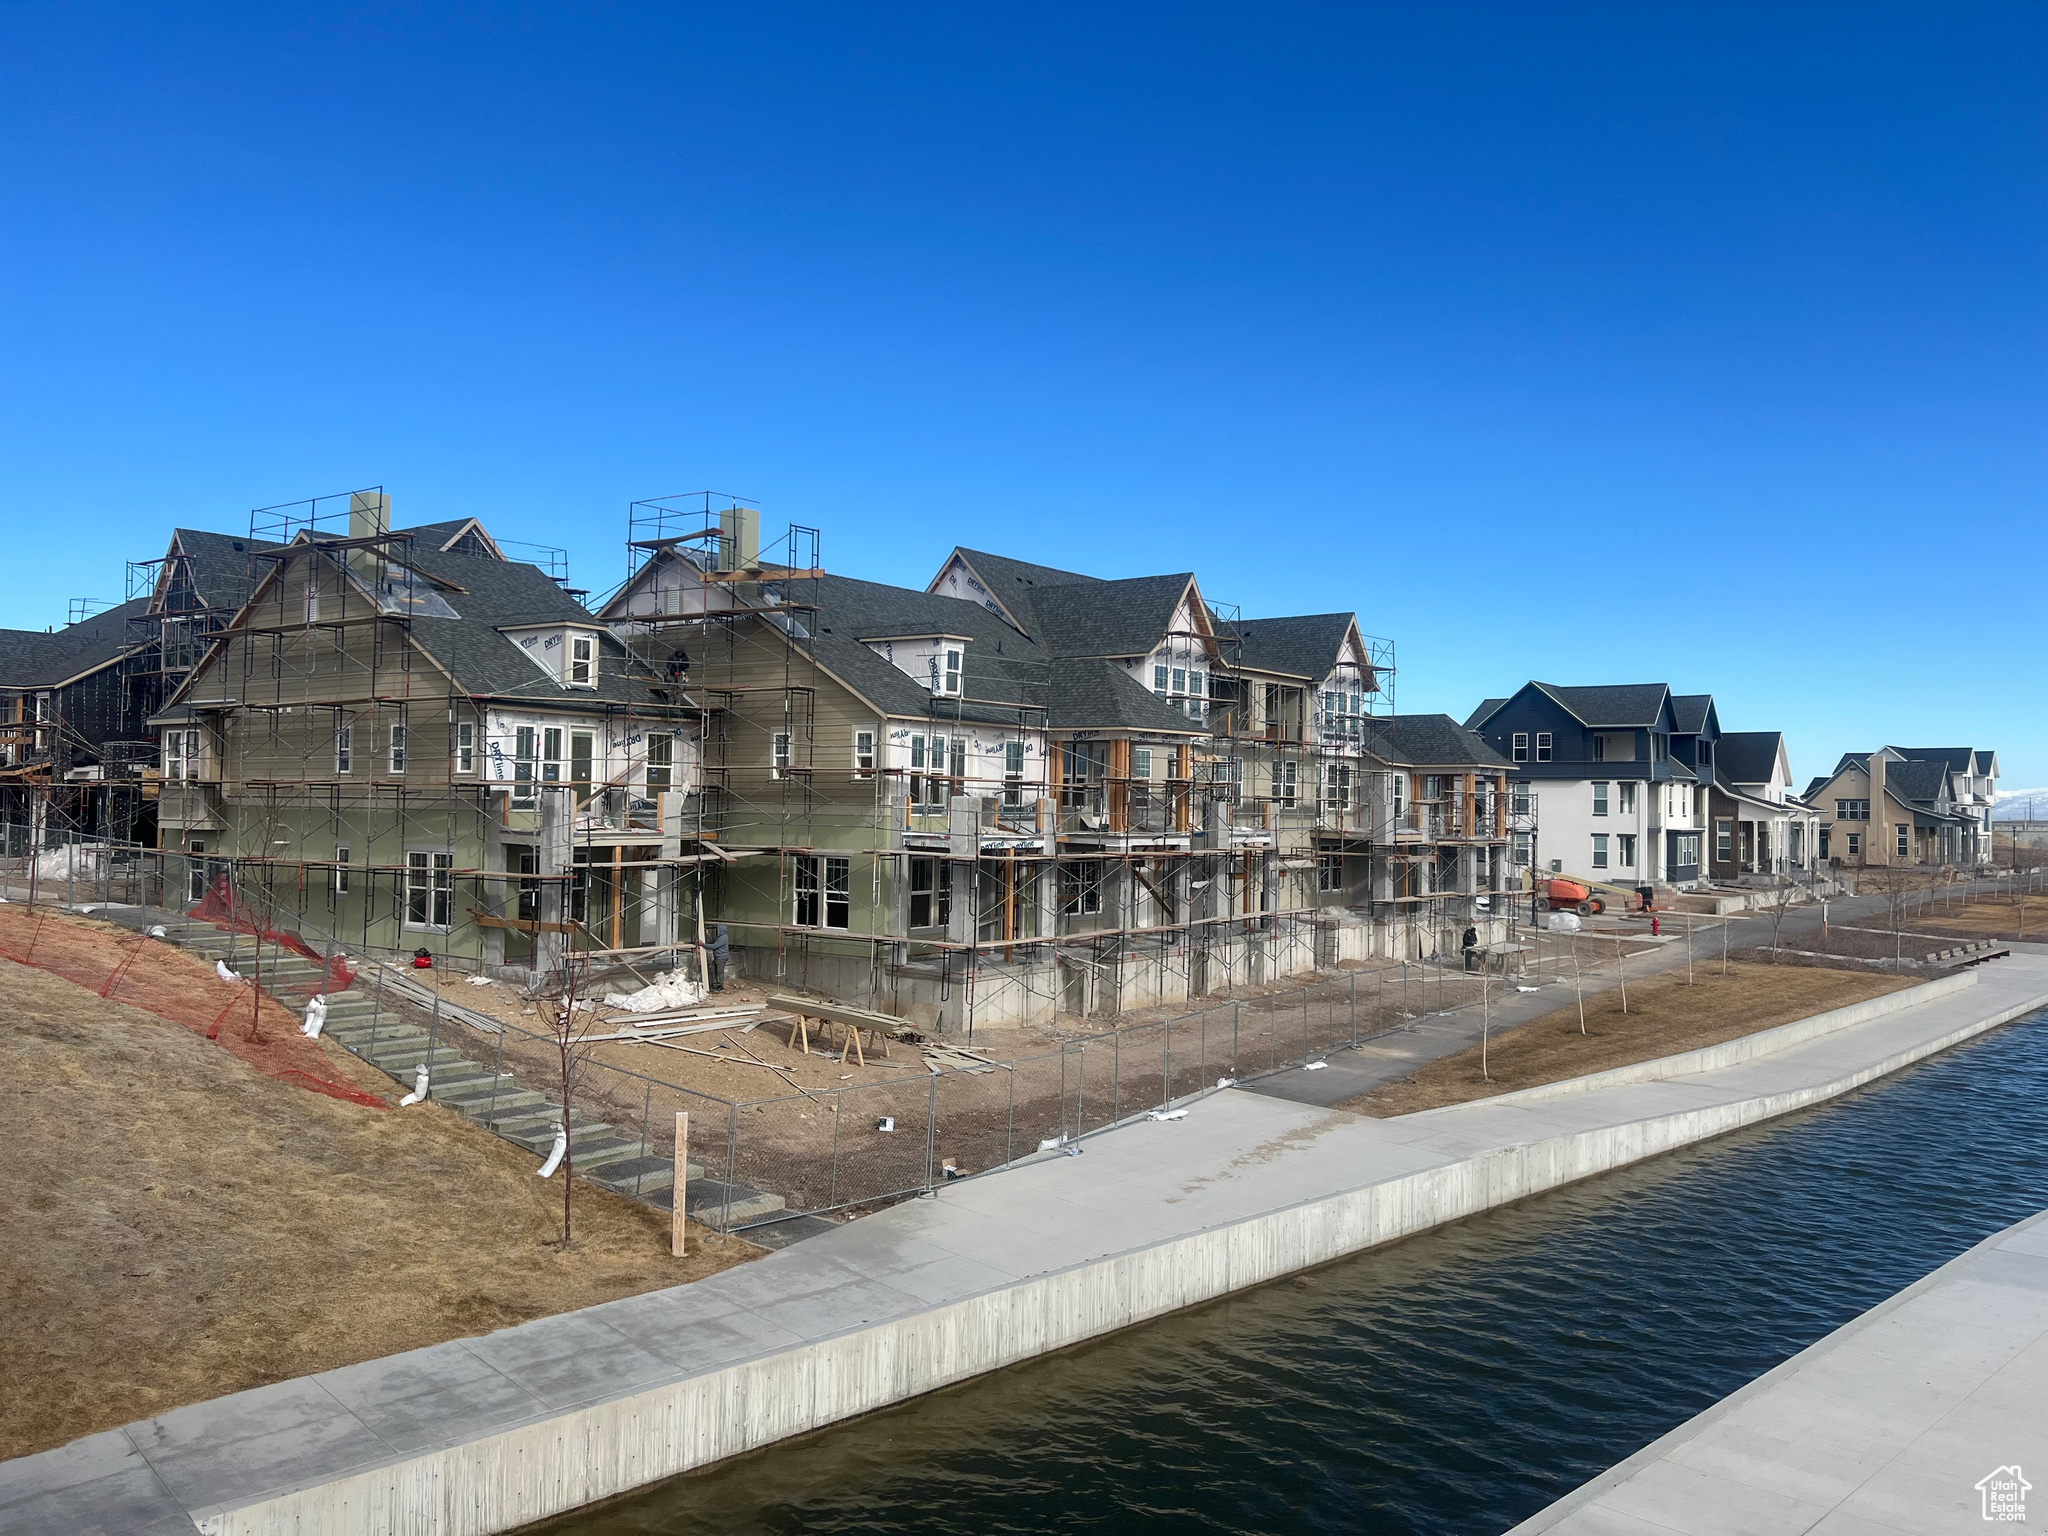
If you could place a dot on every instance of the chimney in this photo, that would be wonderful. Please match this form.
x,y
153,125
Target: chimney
x,y
1877,837
739,538
369,514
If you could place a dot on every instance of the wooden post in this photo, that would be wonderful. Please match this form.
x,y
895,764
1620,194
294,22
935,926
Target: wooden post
x,y
682,1183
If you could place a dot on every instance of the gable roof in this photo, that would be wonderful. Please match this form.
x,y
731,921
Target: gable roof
x,y
1011,583
1304,645
1429,741
1108,618
1614,704
1691,711
1747,757
38,658
1486,710
1005,672
218,565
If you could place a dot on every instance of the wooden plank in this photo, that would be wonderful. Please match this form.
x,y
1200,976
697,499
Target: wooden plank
x,y
677,1220
515,925
838,1013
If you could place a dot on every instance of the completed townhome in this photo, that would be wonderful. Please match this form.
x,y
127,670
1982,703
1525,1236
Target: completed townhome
x,y
1907,806
1758,829
1609,799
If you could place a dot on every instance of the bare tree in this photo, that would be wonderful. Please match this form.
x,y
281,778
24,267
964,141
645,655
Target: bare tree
x,y
570,1048
1621,965
1578,983
1777,908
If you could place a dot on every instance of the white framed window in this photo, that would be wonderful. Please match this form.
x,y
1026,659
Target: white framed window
x,y
1599,850
551,754
952,671
1329,872
1724,838
1543,746
345,748
181,755
824,892
1337,786
429,888
581,752
523,762
1625,850
1521,747
931,894
1628,798
1080,887
583,661
340,881
465,746
1521,845
780,745
1903,843
863,754
1855,844
397,750
1141,762
1287,784
1599,799
1852,810
1159,681
661,758
312,600
1013,773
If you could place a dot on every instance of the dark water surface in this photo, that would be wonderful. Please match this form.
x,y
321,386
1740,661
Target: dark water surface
x,y
1455,1382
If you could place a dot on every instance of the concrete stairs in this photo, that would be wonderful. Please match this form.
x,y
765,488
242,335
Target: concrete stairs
x,y
497,1101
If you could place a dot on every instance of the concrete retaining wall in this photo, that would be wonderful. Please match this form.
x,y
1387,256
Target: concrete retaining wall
x,y
501,1481
1729,1053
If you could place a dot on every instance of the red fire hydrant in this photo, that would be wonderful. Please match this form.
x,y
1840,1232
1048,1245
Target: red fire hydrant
x,y
1653,927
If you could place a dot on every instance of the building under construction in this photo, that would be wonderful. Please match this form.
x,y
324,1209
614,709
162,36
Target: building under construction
x,y
1016,792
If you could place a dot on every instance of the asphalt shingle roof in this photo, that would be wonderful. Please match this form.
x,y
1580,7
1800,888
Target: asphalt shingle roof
x,y
1296,645
1479,716
1747,757
220,567
504,593
1429,741
36,658
1618,704
1690,712
1108,618
999,666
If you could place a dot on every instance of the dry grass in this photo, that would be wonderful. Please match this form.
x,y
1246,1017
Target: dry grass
x,y
1995,918
182,1226
1666,1016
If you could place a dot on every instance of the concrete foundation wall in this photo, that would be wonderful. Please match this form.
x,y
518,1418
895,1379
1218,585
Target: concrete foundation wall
x,y
502,1481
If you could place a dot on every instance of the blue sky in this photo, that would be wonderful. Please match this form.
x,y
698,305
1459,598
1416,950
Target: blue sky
x,y
1594,343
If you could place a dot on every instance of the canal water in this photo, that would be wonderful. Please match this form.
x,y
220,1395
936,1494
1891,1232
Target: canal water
x,y
1455,1382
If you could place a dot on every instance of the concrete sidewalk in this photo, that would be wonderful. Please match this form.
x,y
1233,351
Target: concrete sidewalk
x,y
487,1434
1887,1425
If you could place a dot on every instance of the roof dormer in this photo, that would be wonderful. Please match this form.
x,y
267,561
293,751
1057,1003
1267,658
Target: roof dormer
x,y
568,653
936,661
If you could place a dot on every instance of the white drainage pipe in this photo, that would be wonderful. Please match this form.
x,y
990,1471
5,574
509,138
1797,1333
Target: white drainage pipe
x,y
316,1017
419,1087
560,1151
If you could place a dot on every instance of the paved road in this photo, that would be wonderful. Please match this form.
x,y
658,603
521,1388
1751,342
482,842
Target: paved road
x,y
1390,1058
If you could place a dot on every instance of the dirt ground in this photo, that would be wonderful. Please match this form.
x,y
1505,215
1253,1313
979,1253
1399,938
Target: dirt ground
x,y
1666,1016
185,1227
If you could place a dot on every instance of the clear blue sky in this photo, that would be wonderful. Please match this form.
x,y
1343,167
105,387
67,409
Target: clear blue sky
x,y
1595,343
